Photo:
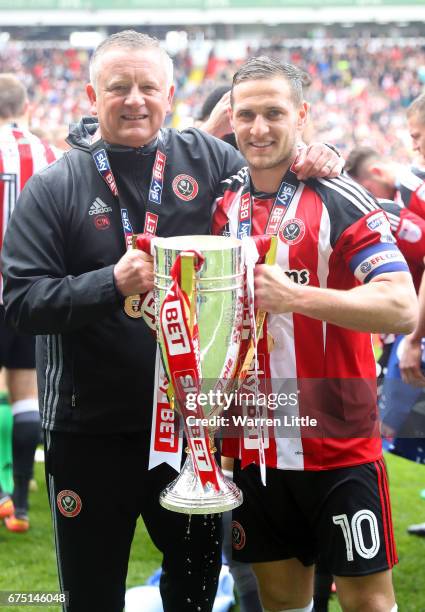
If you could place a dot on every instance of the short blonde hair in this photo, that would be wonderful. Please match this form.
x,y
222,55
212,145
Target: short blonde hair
x,y
129,39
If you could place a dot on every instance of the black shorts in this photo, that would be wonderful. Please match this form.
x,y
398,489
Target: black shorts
x,y
17,351
343,514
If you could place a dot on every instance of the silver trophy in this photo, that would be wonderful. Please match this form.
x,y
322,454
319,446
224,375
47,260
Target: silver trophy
x,y
214,292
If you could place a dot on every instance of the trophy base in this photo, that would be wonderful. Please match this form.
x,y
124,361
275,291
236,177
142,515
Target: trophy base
x,y
187,495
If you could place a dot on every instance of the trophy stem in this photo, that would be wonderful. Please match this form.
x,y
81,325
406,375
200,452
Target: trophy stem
x,y
187,495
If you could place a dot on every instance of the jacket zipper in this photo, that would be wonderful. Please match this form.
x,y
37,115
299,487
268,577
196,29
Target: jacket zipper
x,y
74,393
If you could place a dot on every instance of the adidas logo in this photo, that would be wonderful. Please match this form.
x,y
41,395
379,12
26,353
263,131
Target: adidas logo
x,y
99,207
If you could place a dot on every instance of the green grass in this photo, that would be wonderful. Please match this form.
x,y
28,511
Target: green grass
x,y
27,561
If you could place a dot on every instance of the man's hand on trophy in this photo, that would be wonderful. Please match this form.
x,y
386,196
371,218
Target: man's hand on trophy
x,y
274,291
134,273
317,160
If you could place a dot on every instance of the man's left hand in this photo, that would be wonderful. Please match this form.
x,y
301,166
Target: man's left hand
x,y
317,160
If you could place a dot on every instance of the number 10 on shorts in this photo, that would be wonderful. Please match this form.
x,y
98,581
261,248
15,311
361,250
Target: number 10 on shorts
x,y
353,533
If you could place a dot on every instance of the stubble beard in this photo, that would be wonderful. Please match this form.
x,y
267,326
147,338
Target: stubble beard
x,y
268,164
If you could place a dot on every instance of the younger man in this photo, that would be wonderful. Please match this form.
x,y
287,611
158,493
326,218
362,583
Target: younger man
x,y
327,491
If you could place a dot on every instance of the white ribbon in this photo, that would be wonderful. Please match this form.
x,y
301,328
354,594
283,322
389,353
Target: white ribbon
x,y
172,456
250,256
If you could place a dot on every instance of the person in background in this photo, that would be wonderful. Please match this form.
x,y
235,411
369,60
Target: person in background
x,y
411,358
386,179
214,115
396,397
407,226
416,123
22,154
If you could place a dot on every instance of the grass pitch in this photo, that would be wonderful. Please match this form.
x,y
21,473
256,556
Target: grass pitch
x,y
27,561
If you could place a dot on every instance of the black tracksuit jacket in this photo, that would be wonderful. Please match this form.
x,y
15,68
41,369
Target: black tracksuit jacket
x,y
95,365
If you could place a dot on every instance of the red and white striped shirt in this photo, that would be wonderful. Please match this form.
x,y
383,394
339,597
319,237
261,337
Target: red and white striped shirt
x,y
22,154
417,201
408,183
408,229
333,235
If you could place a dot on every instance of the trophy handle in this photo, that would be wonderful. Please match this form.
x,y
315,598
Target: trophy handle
x,y
188,283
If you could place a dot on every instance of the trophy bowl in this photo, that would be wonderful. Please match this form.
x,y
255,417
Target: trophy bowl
x,y
213,302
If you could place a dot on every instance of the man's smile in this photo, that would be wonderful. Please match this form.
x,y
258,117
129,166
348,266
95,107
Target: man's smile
x,y
261,145
134,117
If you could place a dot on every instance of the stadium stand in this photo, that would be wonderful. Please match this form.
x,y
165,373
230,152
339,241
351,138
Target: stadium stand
x,y
359,97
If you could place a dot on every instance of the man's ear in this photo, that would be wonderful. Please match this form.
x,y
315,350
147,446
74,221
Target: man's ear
x,y
302,115
376,170
91,94
170,97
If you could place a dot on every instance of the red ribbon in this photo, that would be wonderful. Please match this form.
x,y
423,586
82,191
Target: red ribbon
x,y
143,242
263,245
182,350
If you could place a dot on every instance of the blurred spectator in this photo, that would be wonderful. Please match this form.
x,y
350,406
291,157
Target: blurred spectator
x,y
386,178
416,123
21,155
359,96
214,116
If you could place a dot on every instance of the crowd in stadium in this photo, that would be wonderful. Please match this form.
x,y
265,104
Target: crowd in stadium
x,y
358,91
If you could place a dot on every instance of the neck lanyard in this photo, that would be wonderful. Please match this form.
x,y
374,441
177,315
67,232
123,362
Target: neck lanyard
x,y
283,199
101,159
166,443
135,306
